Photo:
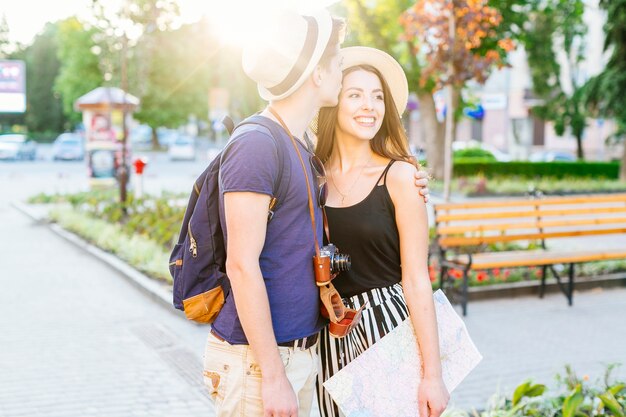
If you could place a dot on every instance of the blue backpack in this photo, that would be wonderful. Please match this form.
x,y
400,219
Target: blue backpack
x,y
198,260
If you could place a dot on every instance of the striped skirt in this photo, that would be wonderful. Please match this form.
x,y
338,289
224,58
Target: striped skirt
x,y
385,310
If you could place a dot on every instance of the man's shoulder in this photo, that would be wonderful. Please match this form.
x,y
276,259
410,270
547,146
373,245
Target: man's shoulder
x,y
251,139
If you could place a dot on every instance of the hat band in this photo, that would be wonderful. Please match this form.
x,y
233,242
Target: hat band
x,y
305,56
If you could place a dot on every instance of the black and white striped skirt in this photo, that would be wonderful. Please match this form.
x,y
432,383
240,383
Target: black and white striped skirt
x,y
385,310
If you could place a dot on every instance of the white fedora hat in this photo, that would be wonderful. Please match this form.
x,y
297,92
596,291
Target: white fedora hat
x,y
281,62
386,65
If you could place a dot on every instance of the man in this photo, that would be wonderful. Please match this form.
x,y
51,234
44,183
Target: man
x,y
260,358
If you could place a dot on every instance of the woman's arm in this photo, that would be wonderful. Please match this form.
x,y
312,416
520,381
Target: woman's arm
x,y
412,222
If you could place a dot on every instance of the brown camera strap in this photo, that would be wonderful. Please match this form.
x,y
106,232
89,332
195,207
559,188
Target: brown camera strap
x,y
308,184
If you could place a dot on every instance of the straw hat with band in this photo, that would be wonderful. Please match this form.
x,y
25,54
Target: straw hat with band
x,y
389,68
280,63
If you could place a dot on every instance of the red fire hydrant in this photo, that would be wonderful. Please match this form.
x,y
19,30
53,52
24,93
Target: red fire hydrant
x,y
139,164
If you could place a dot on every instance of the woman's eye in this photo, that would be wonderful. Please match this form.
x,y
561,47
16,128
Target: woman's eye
x,y
353,95
380,97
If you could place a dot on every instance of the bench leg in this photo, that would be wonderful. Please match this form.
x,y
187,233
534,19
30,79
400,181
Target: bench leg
x,y
542,289
570,286
442,277
464,297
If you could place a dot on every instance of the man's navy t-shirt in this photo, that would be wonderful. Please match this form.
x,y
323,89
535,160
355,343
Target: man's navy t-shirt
x,y
251,164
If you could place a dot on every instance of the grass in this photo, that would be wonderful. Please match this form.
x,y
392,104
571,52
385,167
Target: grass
x,y
139,251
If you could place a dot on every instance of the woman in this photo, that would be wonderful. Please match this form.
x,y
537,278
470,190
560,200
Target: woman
x,y
376,217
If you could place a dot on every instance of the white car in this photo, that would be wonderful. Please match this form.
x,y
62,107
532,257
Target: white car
x,y
182,148
17,146
68,146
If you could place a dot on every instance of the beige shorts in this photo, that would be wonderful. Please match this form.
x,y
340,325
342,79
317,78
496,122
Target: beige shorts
x,y
233,377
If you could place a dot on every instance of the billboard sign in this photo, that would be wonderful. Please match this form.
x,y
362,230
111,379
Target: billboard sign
x,y
12,86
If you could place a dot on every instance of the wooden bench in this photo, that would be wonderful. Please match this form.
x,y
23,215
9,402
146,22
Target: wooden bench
x,y
464,232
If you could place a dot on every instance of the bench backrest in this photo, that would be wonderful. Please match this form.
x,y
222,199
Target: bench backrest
x,y
483,222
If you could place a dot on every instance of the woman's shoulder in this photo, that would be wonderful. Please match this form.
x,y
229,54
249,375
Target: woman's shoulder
x,y
401,173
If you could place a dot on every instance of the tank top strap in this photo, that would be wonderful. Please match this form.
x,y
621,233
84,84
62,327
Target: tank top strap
x,y
383,176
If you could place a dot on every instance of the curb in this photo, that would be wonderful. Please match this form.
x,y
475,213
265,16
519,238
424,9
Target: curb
x,y
150,287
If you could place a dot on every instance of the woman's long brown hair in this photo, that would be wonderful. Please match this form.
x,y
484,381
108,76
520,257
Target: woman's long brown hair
x,y
390,141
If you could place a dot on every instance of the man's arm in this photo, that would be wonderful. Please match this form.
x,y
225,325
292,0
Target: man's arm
x,y
246,222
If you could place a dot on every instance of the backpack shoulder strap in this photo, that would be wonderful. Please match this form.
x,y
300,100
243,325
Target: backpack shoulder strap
x,y
282,180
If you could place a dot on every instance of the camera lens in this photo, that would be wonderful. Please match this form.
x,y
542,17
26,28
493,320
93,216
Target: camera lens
x,y
341,262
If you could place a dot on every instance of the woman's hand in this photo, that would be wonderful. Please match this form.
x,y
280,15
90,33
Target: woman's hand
x,y
432,397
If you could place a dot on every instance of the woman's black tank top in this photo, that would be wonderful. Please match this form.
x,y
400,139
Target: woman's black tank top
x,y
367,231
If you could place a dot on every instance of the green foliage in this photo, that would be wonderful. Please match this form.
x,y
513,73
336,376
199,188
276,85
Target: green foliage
x,y
527,389
574,397
474,153
175,80
139,251
478,185
44,108
80,72
530,170
376,24
605,92
557,25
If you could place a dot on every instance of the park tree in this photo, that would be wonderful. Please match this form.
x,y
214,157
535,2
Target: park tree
x,y
605,92
161,67
177,81
44,107
80,70
376,24
554,43
453,42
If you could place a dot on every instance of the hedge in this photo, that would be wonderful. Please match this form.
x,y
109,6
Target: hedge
x,y
472,166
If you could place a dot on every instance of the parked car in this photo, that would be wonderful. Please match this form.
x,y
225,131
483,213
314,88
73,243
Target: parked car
x,y
182,148
551,156
68,146
15,146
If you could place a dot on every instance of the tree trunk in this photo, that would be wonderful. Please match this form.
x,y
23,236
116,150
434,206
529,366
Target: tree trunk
x,y
433,135
453,99
155,140
579,145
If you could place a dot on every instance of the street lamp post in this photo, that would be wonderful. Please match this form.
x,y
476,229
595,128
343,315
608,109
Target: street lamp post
x,y
123,169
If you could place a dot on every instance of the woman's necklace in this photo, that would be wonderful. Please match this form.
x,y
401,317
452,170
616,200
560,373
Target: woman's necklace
x,y
344,195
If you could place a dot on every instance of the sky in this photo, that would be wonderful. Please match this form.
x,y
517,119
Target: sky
x,y
24,23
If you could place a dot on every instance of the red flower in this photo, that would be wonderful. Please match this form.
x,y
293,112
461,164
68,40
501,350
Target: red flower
x,y
481,276
507,272
496,272
456,273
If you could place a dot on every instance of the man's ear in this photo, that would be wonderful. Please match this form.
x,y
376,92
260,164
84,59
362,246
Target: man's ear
x,y
317,75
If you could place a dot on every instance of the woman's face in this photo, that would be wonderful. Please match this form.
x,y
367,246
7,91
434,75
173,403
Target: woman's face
x,y
361,105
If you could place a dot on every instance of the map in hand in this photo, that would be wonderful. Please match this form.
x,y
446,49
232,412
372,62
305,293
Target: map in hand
x,y
383,381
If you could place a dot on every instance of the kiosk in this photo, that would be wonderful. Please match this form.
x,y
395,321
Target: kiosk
x,y
103,112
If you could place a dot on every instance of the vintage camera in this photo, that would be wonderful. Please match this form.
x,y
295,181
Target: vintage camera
x,y
330,262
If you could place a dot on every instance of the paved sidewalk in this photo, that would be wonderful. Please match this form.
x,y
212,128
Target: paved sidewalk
x,y
78,340
528,337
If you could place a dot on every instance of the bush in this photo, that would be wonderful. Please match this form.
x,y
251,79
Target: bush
x,y
139,251
576,398
470,153
464,167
